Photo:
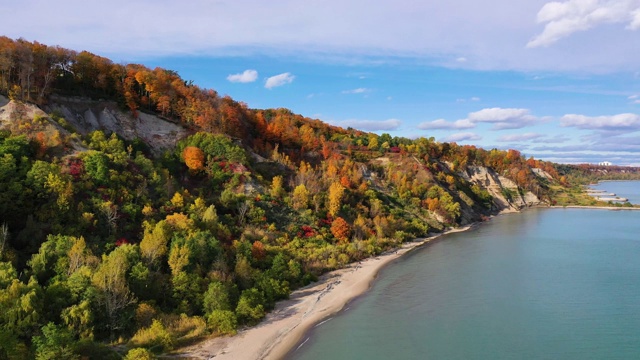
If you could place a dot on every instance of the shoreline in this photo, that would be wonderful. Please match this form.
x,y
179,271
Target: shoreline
x,y
282,331
283,328
594,207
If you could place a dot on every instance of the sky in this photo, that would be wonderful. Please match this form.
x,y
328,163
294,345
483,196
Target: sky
x,y
557,80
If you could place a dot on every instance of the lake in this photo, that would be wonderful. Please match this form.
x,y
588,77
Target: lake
x,y
543,284
625,189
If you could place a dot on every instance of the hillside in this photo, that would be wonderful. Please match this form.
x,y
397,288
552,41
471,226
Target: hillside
x,y
139,210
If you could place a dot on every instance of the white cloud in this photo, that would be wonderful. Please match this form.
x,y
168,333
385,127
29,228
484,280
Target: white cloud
x,y
625,121
369,125
444,124
461,59
475,98
357,91
565,18
246,76
632,97
519,137
464,136
503,118
279,80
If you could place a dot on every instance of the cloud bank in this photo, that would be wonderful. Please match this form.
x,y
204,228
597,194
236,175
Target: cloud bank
x,y
452,33
501,118
625,121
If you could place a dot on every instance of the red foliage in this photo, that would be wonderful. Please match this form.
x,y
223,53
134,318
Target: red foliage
x,y
76,168
306,231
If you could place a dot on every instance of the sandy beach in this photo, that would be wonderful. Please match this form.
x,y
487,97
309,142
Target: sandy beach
x,y
285,326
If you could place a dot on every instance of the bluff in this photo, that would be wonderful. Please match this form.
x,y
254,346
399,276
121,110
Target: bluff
x,y
135,205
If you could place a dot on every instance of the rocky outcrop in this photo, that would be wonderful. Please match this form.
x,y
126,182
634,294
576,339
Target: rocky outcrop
x,y
11,109
506,194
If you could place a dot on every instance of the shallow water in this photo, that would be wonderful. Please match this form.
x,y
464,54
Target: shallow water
x,y
625,189
544,284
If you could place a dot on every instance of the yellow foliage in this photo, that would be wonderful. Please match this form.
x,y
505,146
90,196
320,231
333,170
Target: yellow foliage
x,y
336,192
179,221
177,200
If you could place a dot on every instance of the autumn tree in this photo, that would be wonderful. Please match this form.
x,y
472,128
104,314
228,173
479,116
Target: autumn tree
x,y
154,243
276,187
336,193
340,229
193,158
300,197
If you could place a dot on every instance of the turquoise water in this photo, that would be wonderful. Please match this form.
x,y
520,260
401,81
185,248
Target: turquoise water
x,y
625,189
544,284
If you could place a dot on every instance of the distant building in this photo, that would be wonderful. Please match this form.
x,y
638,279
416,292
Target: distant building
x,y
605,163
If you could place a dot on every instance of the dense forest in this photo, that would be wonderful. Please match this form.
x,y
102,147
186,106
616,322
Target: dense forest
x,y
111,248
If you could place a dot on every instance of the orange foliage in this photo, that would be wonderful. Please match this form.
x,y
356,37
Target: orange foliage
x,y
340,229
193,157
257,250
344,181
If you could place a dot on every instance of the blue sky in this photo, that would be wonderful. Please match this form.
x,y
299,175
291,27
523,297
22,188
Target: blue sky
x,y
556,80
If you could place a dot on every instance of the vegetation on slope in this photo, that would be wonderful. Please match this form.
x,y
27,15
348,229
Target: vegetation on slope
x,y
103,242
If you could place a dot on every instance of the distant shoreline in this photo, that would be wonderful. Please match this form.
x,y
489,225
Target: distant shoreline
x,y
286,327
594,207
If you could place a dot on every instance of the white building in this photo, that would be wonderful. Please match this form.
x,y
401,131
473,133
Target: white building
x,y
605,163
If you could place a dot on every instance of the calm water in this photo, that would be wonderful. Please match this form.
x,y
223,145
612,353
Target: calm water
x,y
544,284
625,189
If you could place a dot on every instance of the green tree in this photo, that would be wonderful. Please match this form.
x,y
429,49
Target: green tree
x,y
114,294
55,343
250,307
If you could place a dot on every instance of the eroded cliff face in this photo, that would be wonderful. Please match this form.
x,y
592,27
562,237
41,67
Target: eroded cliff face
x,y
506,194
87,115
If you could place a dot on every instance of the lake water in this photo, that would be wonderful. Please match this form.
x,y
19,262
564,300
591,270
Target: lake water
x,y
543,284
625,189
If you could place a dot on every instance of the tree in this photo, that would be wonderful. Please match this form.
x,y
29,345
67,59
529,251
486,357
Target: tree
x,y
223,322
300,197
250,307
77,255
154,243
216,298
336,192
139,354
276,187
110,280
193,158
340,229
54,343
